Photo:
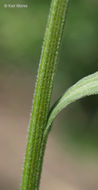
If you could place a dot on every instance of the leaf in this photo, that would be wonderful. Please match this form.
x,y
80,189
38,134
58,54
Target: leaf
x,y
84,87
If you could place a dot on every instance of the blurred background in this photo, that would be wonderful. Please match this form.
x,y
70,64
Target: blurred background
x,y
71,159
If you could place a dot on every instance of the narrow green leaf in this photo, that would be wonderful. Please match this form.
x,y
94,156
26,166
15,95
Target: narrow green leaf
x,y
84,87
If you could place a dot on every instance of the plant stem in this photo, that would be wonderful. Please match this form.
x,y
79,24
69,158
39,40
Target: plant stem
x,y
42,95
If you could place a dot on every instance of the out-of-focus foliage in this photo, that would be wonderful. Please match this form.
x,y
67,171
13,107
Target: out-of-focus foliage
x,y
21,35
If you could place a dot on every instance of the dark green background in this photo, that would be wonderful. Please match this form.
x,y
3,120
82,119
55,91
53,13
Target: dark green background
x,y
21,37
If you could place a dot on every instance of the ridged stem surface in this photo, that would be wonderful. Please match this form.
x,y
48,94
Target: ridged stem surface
x,y
42,95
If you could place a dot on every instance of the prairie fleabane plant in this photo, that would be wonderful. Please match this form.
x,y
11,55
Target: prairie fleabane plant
x,y
41,116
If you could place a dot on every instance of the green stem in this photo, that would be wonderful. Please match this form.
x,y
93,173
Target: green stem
x,y
41,102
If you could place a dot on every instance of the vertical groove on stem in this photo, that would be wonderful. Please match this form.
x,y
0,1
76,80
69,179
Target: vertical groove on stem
x,y
43,89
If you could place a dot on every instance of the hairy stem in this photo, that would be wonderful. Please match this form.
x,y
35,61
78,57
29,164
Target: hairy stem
x,y
42,95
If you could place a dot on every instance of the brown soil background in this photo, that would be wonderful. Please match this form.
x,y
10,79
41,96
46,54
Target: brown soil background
x,y
61,170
